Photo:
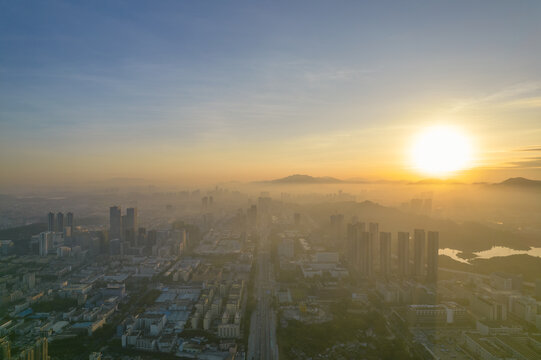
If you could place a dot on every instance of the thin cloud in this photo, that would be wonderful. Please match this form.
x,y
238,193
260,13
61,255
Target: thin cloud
x,y
530,148
532,102
528,163
511,95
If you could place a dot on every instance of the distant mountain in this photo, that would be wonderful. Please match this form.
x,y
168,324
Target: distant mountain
x,y
517,182
520,182
306,179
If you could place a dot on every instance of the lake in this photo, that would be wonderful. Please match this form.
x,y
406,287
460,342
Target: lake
x,y
495,251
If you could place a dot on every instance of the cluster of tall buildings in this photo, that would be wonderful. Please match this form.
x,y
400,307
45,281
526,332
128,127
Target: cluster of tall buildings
x,y
59,223
370,252
123,227
207,202
127,238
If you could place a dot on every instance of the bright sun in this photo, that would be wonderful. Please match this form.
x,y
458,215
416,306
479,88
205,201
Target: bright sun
x,y
441,150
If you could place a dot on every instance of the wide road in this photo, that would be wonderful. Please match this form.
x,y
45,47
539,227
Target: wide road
x,y
262,340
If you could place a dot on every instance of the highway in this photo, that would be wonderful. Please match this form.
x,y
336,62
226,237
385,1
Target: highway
x,y
262,340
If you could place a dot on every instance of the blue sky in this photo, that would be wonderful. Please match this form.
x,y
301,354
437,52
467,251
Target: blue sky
x,y
79,80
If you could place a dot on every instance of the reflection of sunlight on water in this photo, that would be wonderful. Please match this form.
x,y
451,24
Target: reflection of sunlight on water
x,y
493,252
505,251
453,254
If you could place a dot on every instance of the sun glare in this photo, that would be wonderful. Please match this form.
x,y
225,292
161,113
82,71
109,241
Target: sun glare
x,y
441,150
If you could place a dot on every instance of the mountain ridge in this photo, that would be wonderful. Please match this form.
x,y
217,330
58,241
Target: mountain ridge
x,y
308,179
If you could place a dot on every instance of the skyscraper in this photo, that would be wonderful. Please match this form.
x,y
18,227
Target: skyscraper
x,y
403,253
432,256
373,228
115,222
50,221
385,253
364,254
297,219
418,252
131,224
43,245
141,236
69,221
123,227
353,233
60,222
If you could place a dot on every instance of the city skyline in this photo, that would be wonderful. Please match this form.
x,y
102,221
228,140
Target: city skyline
x,y
191,93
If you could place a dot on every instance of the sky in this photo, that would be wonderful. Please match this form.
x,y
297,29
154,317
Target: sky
x,y
195,91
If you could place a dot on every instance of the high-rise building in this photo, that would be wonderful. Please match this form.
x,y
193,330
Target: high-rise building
x,y
44,243
59,222
385,253
124,227
297,219
351,237
50,221
419,252
141,236
373,229
364,254
132,225
115,222
432,255
69,221
152,238
353,233
403,253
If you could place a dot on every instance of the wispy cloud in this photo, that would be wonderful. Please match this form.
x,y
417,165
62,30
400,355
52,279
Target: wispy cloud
x,y
530,148
516,95
533,102
527,163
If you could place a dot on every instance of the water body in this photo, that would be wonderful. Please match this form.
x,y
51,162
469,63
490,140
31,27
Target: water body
x,y
453,254
495,251
505,251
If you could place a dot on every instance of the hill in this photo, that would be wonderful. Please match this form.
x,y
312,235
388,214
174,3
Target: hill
x,y
306,179
520,182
